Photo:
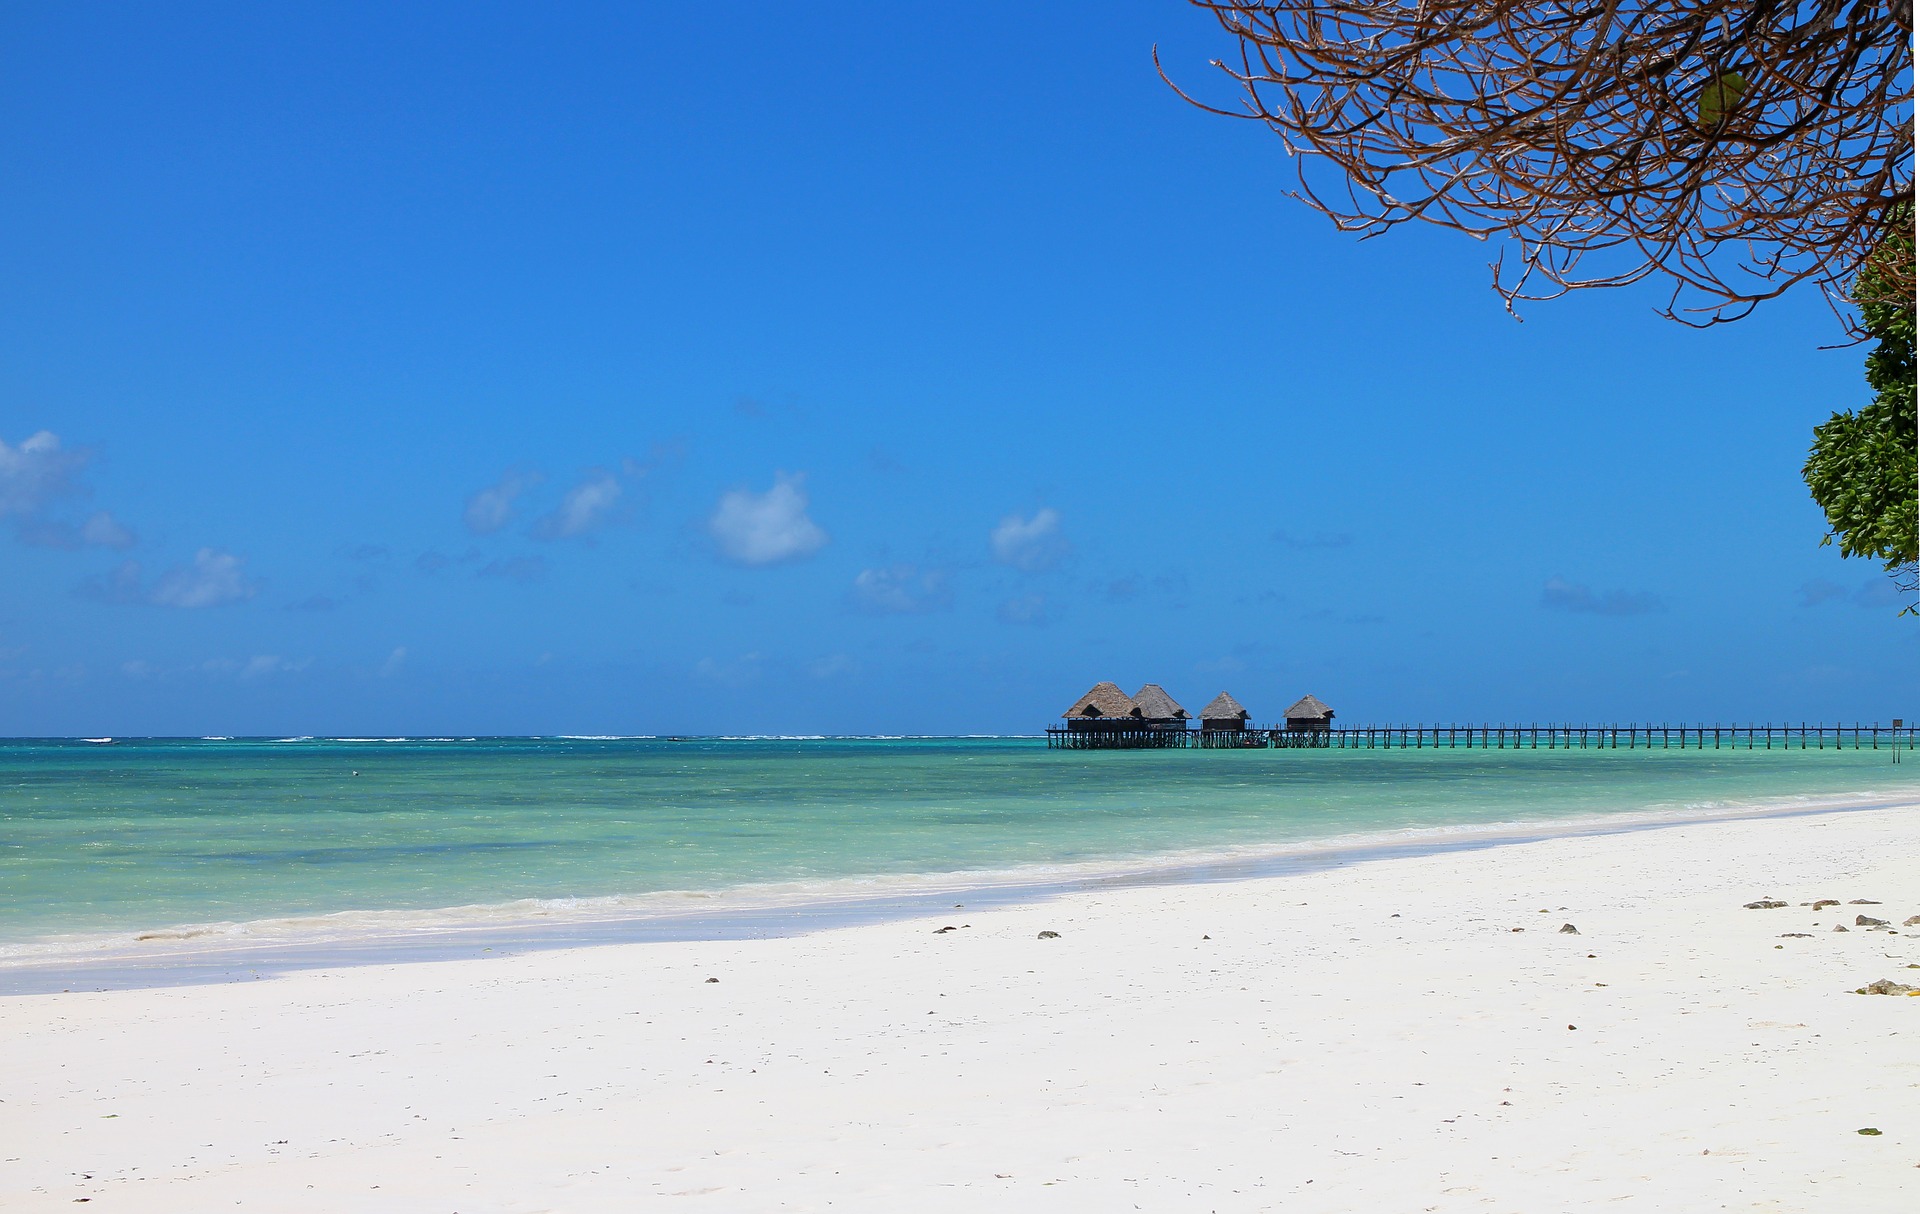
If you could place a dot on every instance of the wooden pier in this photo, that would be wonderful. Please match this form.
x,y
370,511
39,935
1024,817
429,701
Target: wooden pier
x,y
1502,737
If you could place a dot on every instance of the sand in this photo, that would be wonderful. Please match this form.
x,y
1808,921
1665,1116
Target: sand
x,y
1405,1034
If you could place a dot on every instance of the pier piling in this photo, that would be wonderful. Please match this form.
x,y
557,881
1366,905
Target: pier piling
x,y
1495,737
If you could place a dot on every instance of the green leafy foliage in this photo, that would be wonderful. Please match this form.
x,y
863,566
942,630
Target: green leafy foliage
x,y
1862,469
1719,98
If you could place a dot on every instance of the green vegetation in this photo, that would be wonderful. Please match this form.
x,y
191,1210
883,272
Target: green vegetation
x,y
1719,99
1862,469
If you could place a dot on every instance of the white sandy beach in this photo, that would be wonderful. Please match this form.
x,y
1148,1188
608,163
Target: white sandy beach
x,y
1378,1037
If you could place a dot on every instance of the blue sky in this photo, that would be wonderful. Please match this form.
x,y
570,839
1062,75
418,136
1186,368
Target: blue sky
x,y
830,368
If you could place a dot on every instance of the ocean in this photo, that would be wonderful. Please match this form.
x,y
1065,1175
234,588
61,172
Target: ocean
x,y
108,845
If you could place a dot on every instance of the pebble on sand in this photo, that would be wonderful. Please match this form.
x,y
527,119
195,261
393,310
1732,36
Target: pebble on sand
x,y
1886,986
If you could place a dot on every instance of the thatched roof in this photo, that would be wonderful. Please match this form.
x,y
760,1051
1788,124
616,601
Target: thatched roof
x,y
1156,705
1223,707
1105,700
1309,709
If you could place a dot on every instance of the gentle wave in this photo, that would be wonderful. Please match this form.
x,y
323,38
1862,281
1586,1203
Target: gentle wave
x,y
201,845
1193,865
602,737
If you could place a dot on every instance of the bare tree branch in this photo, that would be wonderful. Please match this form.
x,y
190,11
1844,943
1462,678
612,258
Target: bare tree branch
x,y
1736,148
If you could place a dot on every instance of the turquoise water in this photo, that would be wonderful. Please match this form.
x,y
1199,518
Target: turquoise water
x,y
102,838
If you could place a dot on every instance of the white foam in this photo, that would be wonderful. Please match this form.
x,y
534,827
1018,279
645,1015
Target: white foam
x,y
604,737
1195,865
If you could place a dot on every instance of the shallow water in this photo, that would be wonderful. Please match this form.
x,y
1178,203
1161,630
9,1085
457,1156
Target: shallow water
x,y
104,838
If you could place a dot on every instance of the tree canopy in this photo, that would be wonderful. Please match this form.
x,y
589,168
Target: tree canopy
x,y
1863,467
1734,148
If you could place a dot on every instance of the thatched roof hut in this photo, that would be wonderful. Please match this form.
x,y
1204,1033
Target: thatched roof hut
x,y
1223,712
1309,713
1158,707
1105,702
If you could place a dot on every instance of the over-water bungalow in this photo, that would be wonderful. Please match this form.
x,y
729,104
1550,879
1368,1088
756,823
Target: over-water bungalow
x,y
1223,713
1158,710
1308,715
1103,709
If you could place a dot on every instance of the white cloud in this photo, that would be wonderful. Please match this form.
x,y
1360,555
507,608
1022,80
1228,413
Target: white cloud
x,y
522,569
1562,595
832,666
593,503
105,531
765,528
738,673
660,456
34,472
262,665
1024,609
214,578
492,508
901,590
394,661
120,586
101,530
586,506
1033,545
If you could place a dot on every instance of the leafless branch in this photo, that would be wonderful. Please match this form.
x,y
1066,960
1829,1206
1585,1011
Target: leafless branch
x,y
1736,148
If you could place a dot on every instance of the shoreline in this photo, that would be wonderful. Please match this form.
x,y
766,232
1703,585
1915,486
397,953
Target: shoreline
x,y
212,953
1414,1032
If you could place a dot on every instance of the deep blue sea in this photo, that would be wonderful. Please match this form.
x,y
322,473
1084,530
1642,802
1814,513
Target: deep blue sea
x,y
124,837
